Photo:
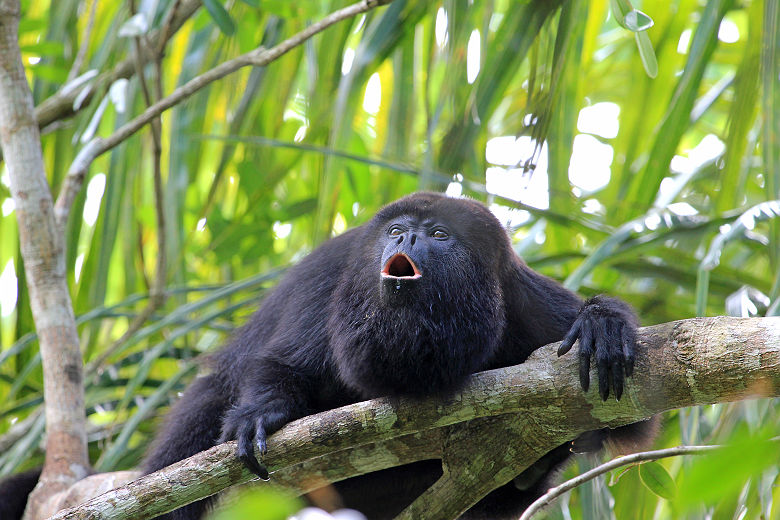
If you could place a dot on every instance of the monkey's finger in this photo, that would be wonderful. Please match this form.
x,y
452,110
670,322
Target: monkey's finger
x,y
260,437
255,467
570,338
617,377
602,363
245,434
246,451
628,337
586,349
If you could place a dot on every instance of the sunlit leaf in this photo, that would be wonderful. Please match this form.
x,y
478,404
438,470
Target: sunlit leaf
x,y
746,457
647,54
260,504
44,48
657,479
50,72
747,221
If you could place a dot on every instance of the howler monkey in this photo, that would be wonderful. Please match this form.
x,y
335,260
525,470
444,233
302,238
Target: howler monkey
x,y
411,303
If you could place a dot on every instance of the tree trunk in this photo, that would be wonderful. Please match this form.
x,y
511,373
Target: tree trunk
x,y
43,252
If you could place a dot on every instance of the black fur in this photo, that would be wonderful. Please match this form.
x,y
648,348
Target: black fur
x,y
454,299
14,491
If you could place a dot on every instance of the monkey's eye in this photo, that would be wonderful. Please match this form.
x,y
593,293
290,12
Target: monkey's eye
x,y
440,234
395,231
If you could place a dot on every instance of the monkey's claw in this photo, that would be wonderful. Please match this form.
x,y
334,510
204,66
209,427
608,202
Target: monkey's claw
x,y
246,451
245,425
254,466
606,330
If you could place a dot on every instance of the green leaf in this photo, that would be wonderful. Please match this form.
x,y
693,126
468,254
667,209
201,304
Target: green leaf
x,y
646,52
770,125
220,17
286,9
31,25
260,504
50,72
676,121
746,222
657,479
615,476
720,476
619,8
44,48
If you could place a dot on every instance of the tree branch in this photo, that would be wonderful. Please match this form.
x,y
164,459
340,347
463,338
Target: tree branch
x,y
531,408
258,57
60,105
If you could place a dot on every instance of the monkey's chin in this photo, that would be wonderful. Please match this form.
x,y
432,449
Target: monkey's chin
x,y
399,290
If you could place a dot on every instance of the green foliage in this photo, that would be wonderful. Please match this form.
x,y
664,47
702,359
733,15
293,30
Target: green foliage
x,y
263,165
657,479
260,504
721,477
220,17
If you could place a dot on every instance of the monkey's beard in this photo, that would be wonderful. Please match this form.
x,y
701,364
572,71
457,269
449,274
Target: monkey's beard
x,y
447,327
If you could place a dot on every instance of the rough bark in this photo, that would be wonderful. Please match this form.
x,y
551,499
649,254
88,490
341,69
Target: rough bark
x,y
43,253
501,423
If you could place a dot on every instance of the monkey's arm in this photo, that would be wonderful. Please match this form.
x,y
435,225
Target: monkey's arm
x,y
544,311
271,395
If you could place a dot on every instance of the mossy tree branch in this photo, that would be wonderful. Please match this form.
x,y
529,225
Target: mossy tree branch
x,y
499,425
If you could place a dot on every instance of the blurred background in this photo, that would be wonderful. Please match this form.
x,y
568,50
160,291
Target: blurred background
x,y
636,155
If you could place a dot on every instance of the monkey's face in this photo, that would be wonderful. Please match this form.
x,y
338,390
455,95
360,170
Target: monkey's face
x,y
412,259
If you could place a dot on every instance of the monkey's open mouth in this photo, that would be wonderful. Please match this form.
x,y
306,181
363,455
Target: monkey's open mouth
x,y
400,266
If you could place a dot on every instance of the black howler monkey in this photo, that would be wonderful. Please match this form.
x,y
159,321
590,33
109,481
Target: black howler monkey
x,y
426,293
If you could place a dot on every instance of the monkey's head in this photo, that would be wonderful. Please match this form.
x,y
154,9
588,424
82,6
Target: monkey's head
x,y
429,242
421,307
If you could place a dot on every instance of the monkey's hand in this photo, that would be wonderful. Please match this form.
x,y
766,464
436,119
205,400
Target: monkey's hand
x,y
250,424
607,328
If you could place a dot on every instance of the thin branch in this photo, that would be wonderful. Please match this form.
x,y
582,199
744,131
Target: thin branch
x,y
166,29
643,456
60,105
258,57
82,52
18,430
